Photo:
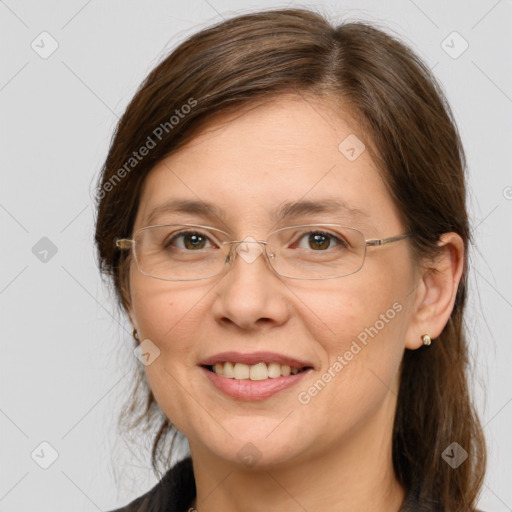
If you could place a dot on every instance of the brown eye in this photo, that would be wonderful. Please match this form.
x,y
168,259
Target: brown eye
x,y
191,240
321,241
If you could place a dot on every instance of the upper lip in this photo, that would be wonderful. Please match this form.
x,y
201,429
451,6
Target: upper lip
x,y
254,358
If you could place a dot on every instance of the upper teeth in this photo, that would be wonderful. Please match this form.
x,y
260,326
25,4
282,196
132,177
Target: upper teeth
x,y
260,371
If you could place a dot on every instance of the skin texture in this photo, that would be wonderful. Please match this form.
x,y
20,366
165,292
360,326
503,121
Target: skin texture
x,y
333,453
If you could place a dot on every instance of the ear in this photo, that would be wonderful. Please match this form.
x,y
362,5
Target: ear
x,y
132,321
131,316
436,291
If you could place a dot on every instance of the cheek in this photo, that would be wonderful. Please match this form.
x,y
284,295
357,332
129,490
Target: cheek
x,y
169,315
164,314
359,307
363,347
363,325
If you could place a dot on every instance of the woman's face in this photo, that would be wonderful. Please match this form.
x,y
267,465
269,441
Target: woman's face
x,y
351,330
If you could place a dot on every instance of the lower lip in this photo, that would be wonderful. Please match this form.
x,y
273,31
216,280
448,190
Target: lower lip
x,y
246,389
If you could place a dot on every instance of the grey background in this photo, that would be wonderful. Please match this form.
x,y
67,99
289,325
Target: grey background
x,y
66,355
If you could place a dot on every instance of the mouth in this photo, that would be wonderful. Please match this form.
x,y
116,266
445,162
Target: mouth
x,y
253,376
256,372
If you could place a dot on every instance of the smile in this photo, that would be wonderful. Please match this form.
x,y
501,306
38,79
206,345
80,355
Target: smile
x,y
245,388
259,371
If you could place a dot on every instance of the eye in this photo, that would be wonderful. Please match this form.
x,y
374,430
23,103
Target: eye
x,y
190,240
321,240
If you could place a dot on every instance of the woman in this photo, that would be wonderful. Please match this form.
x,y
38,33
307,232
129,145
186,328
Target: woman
x,y
282,214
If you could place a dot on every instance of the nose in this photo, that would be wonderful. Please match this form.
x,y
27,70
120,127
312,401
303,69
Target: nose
x,y
250,294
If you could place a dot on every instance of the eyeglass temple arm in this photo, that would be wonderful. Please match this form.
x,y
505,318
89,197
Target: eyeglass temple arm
x,y
124,243
383,241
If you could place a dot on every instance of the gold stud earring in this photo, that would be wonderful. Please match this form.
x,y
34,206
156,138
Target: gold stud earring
x,y
427,340
135,334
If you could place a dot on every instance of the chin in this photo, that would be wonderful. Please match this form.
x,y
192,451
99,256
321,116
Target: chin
x,y
255,444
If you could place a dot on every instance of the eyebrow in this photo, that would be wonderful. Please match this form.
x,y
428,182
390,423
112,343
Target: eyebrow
x,y
285,211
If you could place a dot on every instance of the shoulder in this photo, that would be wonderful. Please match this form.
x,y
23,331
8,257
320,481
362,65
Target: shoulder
x,y
173,493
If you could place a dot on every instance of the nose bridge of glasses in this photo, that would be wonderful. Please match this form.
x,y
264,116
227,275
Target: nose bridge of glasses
x,y
248,249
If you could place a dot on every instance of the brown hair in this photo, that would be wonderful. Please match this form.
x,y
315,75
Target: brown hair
x,y
410,132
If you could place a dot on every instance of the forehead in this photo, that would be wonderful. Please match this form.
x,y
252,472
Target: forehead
x,y
251,166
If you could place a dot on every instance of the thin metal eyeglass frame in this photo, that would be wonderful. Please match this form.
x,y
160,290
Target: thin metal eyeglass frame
x,y
129,243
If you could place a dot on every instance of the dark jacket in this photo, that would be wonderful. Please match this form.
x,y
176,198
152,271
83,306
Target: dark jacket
x,y
177,489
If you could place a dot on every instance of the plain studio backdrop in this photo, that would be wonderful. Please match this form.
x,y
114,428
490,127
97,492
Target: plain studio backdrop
x,y
68,71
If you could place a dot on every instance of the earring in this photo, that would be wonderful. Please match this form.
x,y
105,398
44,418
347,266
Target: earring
x,y
135,334
426,339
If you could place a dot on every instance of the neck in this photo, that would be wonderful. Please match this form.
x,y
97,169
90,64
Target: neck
x,y
354,475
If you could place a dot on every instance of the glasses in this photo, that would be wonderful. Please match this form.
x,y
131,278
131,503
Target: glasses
x,y
183,252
